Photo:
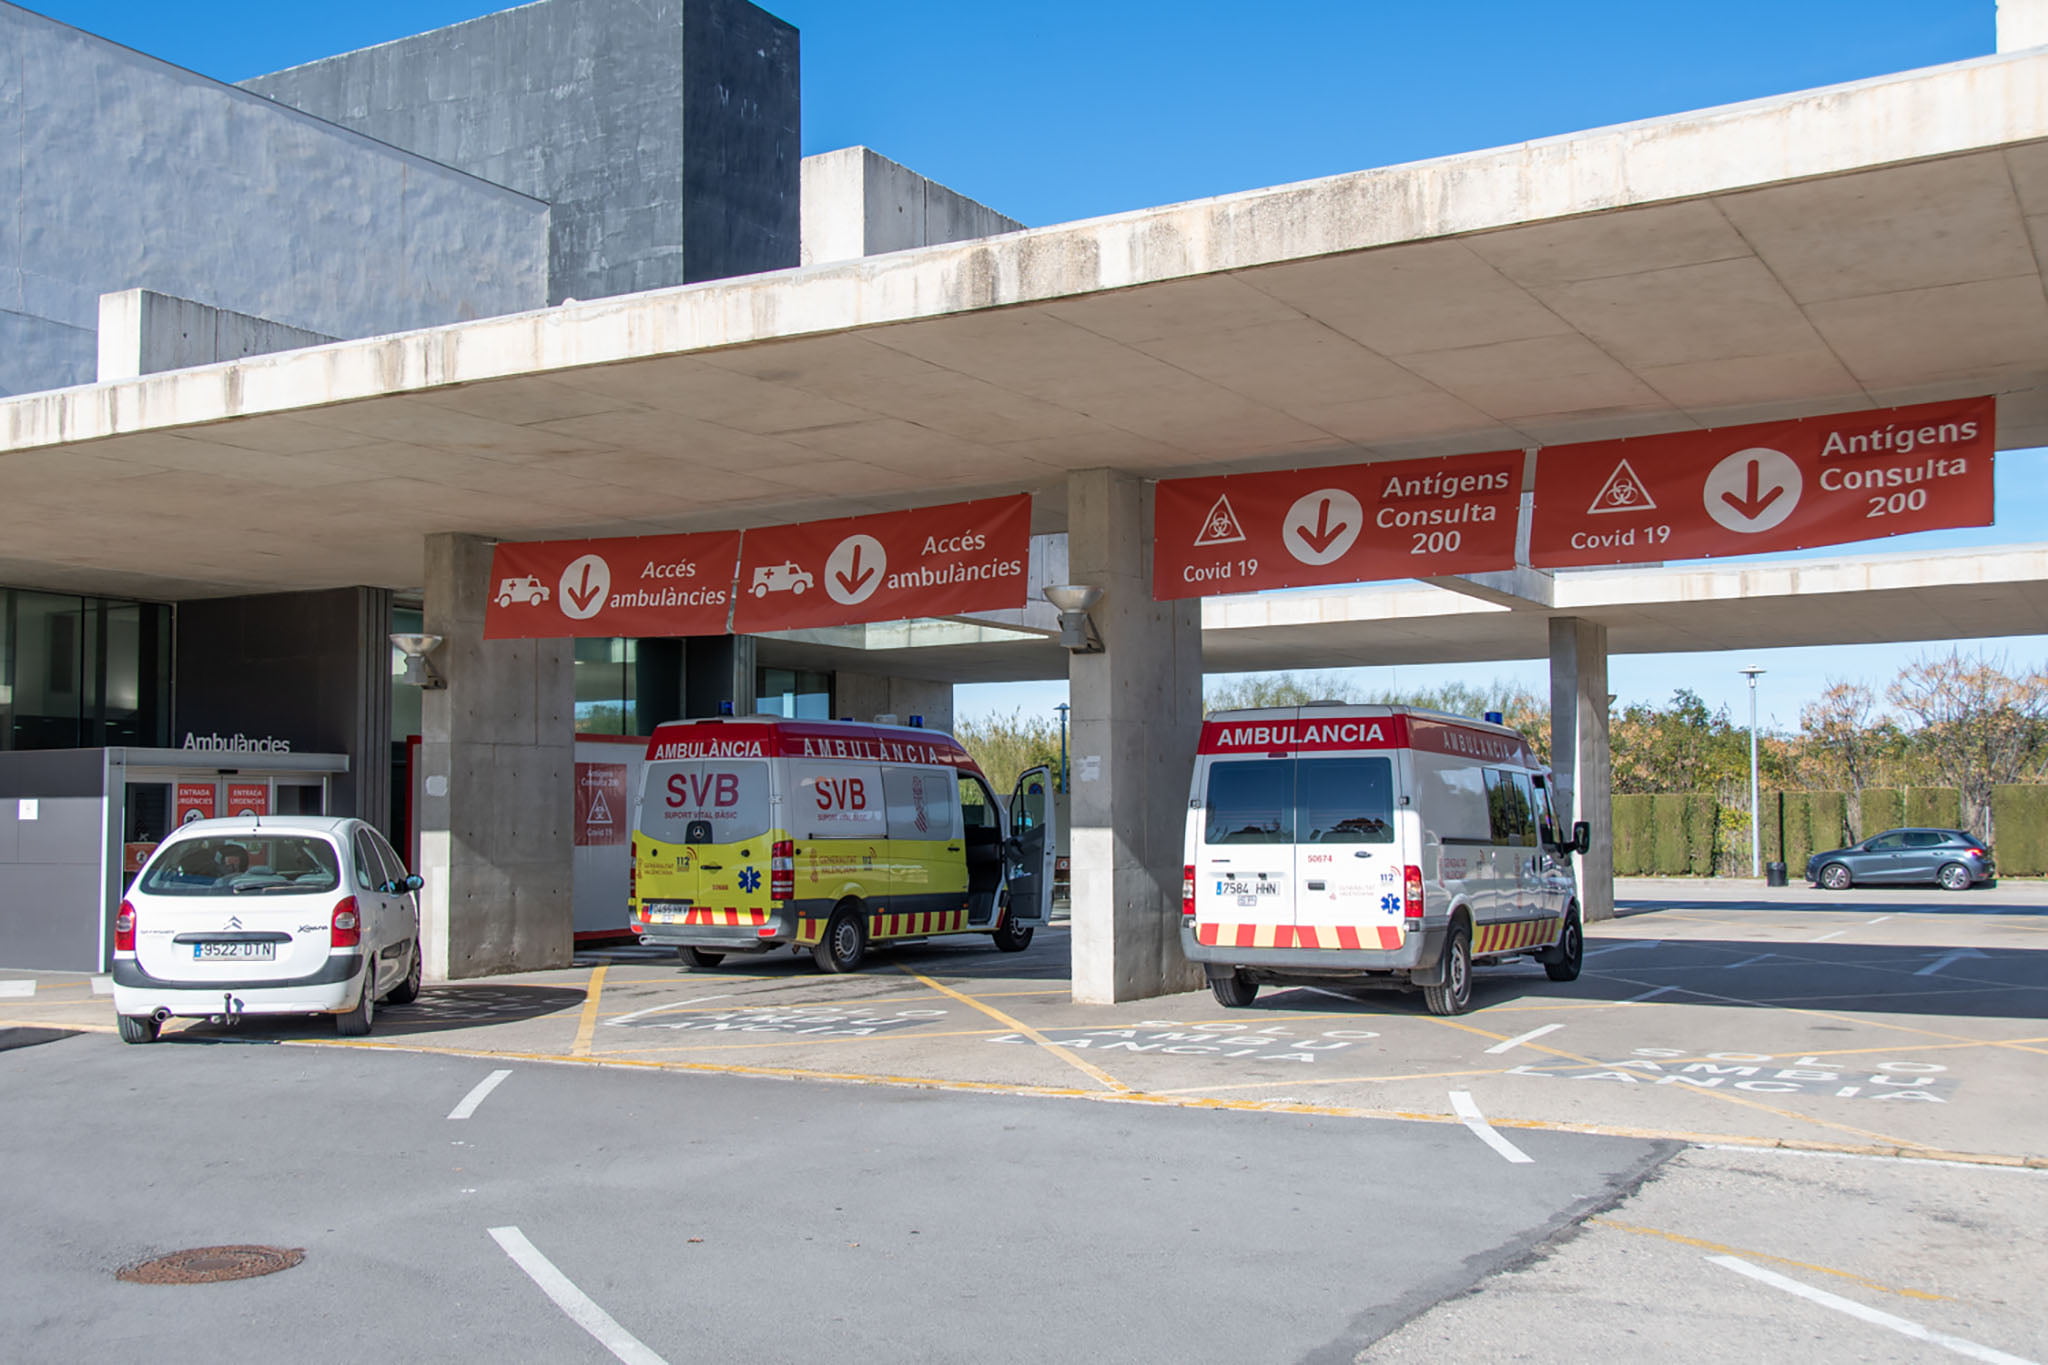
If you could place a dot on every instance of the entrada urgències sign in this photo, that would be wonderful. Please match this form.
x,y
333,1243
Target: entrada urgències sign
x,y
929,561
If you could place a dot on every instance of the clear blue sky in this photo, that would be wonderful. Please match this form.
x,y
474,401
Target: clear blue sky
x,y
1065,109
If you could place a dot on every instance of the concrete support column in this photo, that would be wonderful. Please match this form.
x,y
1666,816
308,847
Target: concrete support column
x,y
1579,752
1136,719
867,695
2022,24
496,783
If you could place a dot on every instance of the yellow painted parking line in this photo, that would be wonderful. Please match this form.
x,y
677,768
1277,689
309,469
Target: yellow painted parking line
x,y
1849,1275
588,1023
1128,1096
48,1023
1297,1082
1019,1026
800,1042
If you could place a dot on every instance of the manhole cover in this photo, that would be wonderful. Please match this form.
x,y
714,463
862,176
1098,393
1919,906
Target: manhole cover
x,y
207,1265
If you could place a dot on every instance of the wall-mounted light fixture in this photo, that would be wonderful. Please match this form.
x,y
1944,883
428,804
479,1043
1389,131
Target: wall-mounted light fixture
x,y
1077,629
418,672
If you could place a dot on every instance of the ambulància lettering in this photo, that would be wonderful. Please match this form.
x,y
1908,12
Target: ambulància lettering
x,y
1289,736
717,748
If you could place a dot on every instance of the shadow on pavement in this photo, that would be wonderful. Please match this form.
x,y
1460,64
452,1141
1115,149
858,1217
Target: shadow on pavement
x,y
439,1008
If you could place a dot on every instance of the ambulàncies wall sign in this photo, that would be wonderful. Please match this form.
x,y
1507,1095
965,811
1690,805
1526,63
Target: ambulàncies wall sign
x,y
929,561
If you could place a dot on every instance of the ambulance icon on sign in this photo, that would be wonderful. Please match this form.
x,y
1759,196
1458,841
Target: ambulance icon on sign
x,y
529,590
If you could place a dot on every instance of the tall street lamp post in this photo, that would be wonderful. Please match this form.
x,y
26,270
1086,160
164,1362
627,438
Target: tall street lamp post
x,y
1756,832
1062,708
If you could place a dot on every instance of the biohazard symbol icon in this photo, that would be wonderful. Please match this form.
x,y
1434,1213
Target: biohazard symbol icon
x,y
600,809
1220,527
1623,492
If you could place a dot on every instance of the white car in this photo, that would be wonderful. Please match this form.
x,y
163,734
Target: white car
x,y
267,915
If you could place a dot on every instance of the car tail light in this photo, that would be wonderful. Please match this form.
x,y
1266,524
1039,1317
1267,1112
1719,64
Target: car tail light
x,y
1187,891
1411,894
782,870
348,924
124,929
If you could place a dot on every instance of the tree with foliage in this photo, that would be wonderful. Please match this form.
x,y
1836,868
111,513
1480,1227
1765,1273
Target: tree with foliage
x,y
1682,748
1978,725
1005,746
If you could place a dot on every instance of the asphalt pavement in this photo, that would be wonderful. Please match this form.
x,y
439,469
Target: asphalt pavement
x,y
1761,1121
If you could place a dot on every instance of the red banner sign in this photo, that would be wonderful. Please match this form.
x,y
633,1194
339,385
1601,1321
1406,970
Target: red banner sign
x,y
931,561
194,801
248,798
1768,487
633,586
601,809
1354,524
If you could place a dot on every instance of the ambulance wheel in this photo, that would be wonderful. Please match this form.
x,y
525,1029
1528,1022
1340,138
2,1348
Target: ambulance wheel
x,y
1234,991
697,957
1454,996
138,1028
1570,952
1013,937
844,945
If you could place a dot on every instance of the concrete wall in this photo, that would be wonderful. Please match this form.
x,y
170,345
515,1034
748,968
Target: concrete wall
x,y
664,132
857,202
2022,24
867,695
144,332
121,171
52,903
313,668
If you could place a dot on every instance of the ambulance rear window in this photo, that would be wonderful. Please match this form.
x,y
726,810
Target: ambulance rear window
x,y
1251,801
1345,800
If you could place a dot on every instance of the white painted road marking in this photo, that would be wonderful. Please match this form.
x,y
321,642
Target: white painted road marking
x,y
573,1301
1648,995
477,1096
1469,1115
1747,962
17,990
1825,937
1624,947
665,1005
1945,959
1903,1326
1516,1042
103,985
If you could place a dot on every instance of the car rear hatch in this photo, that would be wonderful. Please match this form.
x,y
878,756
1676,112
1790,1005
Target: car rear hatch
x,y
200,919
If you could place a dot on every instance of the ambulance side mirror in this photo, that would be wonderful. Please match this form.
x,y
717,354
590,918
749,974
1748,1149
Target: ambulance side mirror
x,y
1582,838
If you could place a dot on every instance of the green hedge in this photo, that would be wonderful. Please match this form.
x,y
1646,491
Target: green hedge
x,y
1632,835
2019,818
1703,830
1672,842
1941,807
1883,808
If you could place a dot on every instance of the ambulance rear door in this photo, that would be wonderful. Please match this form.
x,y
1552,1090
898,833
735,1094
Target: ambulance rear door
x,y
1034,845
1347,870
1245,854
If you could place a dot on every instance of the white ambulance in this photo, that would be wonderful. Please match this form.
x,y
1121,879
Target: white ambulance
x,y
831,837
1350,845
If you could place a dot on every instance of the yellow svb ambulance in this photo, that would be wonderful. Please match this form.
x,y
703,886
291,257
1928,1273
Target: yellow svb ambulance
x,y
751,835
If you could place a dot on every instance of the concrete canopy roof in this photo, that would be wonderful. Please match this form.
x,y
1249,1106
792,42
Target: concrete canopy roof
x,y
1869,244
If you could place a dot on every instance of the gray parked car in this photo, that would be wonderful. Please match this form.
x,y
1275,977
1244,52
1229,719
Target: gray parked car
x,y
1949,858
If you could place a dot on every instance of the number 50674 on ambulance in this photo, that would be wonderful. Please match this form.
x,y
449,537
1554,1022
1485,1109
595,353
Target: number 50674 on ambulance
x,y
829,837
1354,844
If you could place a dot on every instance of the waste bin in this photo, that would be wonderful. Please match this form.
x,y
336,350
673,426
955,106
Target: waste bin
x,y
1774,874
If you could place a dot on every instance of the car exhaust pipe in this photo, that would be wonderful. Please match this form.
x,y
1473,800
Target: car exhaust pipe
x,y
161,1014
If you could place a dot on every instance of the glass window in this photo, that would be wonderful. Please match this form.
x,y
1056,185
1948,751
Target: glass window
x,y
1345,800
1250,801
604,687
1546,814
214,866
838,801
394,866
1509,807
800,694
1926,838
1888,843
368,869
977,811
921,803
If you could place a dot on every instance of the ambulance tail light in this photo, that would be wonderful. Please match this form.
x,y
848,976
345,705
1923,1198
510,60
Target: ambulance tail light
x,y
1411,897
782,870
347,925
1187,891
633,870
124,929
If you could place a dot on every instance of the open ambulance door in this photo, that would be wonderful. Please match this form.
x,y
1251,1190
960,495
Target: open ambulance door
x,y
1032,846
